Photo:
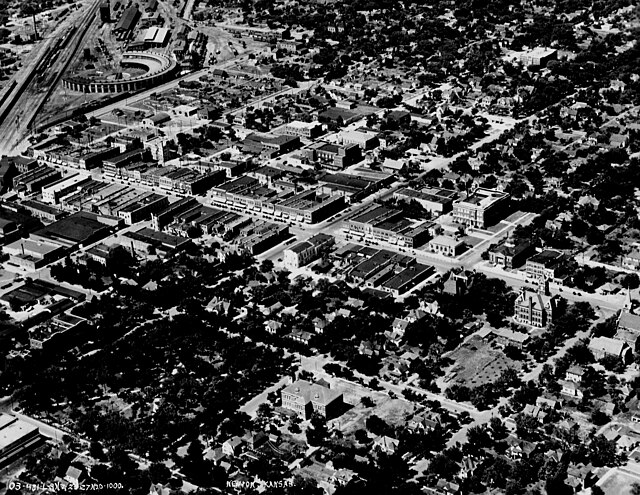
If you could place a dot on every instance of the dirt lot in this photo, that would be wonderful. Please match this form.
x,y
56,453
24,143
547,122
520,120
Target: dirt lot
x,y
393,411
478,363
618,483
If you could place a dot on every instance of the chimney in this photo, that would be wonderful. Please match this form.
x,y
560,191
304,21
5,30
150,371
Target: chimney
x,y
35,28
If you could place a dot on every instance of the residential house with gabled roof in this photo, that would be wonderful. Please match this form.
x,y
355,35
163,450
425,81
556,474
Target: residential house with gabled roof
x,y
386,444
232,447
535,411
75,475
571,389
546,402
253,440
273,327
301,336
574,374
319,324
400,325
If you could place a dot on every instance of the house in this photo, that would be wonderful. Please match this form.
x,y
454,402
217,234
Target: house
x,y
546,402
535,411
319,324
232,447
273,327
571,389
305,398
518,448
580,476
574,374
75,476
301,336
219,306
606,406
159,489
386,444
631,260
400,325
425,421
468,465
254,440
605,346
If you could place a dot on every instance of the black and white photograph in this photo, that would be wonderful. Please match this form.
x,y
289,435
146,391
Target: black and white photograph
x,y
320,247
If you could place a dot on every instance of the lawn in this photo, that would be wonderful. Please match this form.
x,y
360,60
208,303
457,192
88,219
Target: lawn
x,y
618,483
477,363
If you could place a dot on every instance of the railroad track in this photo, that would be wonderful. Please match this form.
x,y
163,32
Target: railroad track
x,y
40,82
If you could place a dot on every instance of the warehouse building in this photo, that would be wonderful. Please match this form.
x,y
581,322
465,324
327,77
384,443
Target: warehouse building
x,y
16,437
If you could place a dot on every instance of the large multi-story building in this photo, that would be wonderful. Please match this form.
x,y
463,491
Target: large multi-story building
x,y
306,251
382,224
538,57
305,398
536,308
546,264
434,200
480,208
333,156
53,192
34,180
308,130
510,254
247,194
365,140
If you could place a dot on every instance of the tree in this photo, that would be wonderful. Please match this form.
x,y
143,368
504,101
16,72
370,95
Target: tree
x,y
376,425
444,466
97,451
602,452
159,472
367,401
478,438
266,266
317,431
498,428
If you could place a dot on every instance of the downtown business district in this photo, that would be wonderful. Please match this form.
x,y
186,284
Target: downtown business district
x,y
466,219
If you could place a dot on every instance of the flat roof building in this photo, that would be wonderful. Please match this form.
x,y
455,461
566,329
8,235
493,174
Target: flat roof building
x,y
434,200
481,208
306,251
16,436
538,57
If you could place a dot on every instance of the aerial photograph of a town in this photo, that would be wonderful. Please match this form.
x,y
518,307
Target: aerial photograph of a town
x,y
320,247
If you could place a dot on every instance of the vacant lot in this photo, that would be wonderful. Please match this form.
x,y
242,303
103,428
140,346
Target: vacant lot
x,y
476,362
618,483
393,411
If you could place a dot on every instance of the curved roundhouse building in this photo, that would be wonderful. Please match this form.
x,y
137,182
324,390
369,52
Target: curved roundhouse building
x,y
158,69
